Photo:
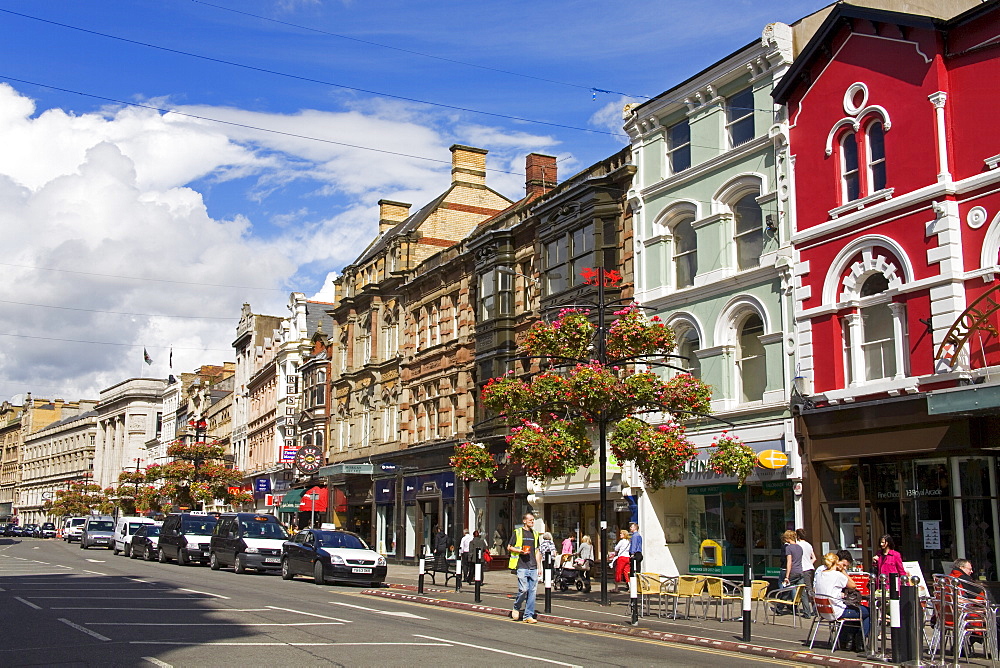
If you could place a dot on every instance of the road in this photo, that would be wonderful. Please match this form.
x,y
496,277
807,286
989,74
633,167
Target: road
x,y
63,605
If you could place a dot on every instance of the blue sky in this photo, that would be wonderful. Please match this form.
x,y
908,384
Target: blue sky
x,y
125,227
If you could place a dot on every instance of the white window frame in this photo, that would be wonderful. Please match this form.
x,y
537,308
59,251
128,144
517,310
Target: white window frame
x,y
732,121
675,149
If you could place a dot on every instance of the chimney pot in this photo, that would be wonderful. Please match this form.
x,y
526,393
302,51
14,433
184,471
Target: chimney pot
x,y
468,165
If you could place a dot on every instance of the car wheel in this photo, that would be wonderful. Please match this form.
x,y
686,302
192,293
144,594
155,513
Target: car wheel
x,y
83,546
240,565
115,550
131,552
318,576
286,570
162,556
213,562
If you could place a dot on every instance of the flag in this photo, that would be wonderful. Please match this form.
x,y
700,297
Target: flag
x,y
146,358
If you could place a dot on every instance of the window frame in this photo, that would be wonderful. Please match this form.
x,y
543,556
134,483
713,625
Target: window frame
x,y
739,238
675,148
736,122
875,167
743,360
676,254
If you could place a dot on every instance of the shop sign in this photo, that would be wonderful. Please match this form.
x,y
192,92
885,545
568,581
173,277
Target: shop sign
x,y
772,459
774,485
288,453
713,489
622,507
262,485
388,467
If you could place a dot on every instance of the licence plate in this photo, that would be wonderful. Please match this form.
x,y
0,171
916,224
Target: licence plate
x,y
361,570
272,560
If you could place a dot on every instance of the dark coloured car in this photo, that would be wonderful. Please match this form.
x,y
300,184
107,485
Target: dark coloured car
x,y
332,556
185,538
47,530
247,540
144,542
29,530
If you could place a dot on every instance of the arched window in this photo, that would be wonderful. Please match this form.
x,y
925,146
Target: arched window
x,y
876,157
849,177
878,342
685,253
687,347
749,231
751,369
318,439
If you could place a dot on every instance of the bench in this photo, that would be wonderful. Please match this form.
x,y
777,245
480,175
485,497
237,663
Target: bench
x,y
450,568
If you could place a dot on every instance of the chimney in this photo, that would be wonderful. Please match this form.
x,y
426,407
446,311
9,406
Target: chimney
x,y
468,165
539,174
390,213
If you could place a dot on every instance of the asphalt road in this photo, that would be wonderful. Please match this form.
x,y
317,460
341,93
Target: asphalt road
x,y
60,605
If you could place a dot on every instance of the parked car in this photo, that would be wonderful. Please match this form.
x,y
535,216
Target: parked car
x,y
331,555
125,527
29,530
185,537
8,529
72,528
17,531
47,530
98,531
145,542
247,540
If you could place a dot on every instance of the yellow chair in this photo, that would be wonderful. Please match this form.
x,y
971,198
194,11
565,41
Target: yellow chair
x,y
791,596
652,584
688,587
721,593
758,594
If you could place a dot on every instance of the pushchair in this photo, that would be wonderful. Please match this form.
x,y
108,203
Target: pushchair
x,y
569,575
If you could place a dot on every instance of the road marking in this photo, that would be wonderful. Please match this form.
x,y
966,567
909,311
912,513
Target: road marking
x,y
311,614
156,662
94,572
27,603
84,629
75,588
41,562
97,561
498,651
168,609
205,593
295,644
214,624
380,612
120,598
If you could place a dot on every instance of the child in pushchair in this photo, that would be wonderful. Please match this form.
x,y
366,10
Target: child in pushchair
x,y
569,575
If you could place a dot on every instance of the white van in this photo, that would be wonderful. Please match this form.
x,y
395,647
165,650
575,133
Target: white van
x,y
124,528
73,528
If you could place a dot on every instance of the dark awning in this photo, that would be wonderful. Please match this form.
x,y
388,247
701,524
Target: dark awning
x,y
290,502
307,503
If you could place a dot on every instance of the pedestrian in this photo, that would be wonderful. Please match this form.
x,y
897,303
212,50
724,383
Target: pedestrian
x,y
635,546
567,545
547,547
479,543
440,547
463,553
793,564
887,560
620,558
523,548
586,560
808,570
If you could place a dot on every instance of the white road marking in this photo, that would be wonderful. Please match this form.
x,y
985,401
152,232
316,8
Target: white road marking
x,y
296,644
213,624
94,572
156,662
85,630
27,603
97,561
41,562
120,598
498,651
168,609
380,612
311,614
87,588
205,593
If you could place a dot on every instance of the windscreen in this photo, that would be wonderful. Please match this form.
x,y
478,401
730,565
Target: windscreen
x,y
134,526
101,525
339,539
201,526
153,531
77,522
254,528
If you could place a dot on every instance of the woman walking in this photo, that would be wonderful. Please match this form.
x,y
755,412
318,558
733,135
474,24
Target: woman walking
x,y
586,557
621,560
887,560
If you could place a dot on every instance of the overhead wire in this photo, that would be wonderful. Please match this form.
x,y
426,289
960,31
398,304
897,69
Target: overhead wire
x,y
112,343
142,278
91,310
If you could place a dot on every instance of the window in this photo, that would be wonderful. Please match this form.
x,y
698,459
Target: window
x,y
752,373
454,316
749,232
679,146
685,253
582,252
496,295
878,342
566,256
687,345
391,330
433,328
876,157
849,177
557,272
739,117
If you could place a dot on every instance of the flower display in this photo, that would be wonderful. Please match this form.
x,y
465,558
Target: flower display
x,y
472,461
732,457
686,394
506,394
569,335
554,450
632,335
197,475
659,453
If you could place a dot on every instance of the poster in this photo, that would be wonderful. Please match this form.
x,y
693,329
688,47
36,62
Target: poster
x,y
932,534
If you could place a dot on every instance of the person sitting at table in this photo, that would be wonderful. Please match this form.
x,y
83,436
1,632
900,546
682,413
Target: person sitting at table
x,y
831,582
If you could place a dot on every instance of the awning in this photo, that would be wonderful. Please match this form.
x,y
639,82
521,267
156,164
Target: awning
x,y
319,505
290,502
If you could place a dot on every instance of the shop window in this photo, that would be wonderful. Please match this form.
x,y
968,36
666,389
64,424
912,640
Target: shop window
x,y
739,117
685,248
679,146
748,220
751,369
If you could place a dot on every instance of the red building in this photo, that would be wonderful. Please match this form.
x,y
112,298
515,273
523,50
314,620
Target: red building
x,y
896,234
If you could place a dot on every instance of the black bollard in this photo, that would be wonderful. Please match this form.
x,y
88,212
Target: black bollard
x,y
633,591
479,574
747,596
420,576
547,563
894,620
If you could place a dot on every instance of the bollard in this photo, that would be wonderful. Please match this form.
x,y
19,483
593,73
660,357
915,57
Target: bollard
x,y
420,576
747,596
894,621
633,591
547,564
479,574
912,620
883,616
956,629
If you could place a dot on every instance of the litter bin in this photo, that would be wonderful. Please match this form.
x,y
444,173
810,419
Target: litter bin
x,y
906,645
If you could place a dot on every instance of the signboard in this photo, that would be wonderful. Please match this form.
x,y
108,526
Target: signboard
x,y
272,499
235,490
772,459
262,485
288,453
388,467
931,530
309,459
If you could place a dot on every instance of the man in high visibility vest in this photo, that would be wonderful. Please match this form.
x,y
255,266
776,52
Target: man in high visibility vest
x,y
523,547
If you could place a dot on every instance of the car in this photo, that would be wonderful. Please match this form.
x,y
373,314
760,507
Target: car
x,y
72,528
185,537
332,555
29,531
145,542
125,527
98,531
247,540
8,530
17,530
47,530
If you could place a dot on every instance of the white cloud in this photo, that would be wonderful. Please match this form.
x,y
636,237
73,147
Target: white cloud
x,y
609,117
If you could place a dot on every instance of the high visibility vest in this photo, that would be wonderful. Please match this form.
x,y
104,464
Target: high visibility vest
x,y
518,543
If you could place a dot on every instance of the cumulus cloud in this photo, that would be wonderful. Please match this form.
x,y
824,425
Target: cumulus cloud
x,y
609,117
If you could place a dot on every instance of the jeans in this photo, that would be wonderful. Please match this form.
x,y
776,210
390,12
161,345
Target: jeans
x,y
527,588
862,613
807,578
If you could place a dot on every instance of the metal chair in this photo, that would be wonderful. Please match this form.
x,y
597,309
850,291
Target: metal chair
x,y
758,594
827,614
721,593
792,597
687,587
963,612
652,584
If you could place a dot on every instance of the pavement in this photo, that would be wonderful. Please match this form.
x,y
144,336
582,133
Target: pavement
x,y
780,641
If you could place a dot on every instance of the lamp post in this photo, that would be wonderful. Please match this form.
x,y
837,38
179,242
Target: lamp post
x,y
313,497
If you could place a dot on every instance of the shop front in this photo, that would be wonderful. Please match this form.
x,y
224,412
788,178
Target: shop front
x,y
428,503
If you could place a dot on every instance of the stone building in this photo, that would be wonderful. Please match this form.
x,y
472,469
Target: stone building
x,y
129,416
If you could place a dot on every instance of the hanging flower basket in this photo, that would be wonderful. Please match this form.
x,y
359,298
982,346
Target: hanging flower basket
x,y
684,394
554,450
732,457
506,394
472,461
632,334
570,335
658,453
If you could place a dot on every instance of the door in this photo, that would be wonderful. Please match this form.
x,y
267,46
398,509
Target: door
x,y
410,528
429,519
768,523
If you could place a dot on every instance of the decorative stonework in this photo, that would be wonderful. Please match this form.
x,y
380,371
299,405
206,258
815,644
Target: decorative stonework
x,y
976,217
856,111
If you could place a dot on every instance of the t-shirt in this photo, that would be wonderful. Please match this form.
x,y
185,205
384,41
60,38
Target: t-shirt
x,y
524,560
831,583
808,555
795,550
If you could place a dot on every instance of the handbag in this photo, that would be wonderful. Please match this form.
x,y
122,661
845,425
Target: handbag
x,y
487,557
852,597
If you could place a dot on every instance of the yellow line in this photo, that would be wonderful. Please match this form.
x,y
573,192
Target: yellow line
x,y
603,634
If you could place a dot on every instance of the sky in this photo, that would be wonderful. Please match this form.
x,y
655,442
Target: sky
x,y
163,162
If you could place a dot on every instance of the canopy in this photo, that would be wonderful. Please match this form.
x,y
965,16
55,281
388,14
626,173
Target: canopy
x,y
308,504
290,502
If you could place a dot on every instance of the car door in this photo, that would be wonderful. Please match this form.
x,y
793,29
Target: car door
x,y
301,557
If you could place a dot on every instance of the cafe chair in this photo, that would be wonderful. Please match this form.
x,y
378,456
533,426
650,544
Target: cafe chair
x,y
758,595
721,593
652,584
827,614
687,588
788,596
963,613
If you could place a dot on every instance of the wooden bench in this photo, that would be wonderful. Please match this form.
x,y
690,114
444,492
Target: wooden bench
x,y
451,569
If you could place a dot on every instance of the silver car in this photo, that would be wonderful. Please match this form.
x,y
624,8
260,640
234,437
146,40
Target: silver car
x,y
98,531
